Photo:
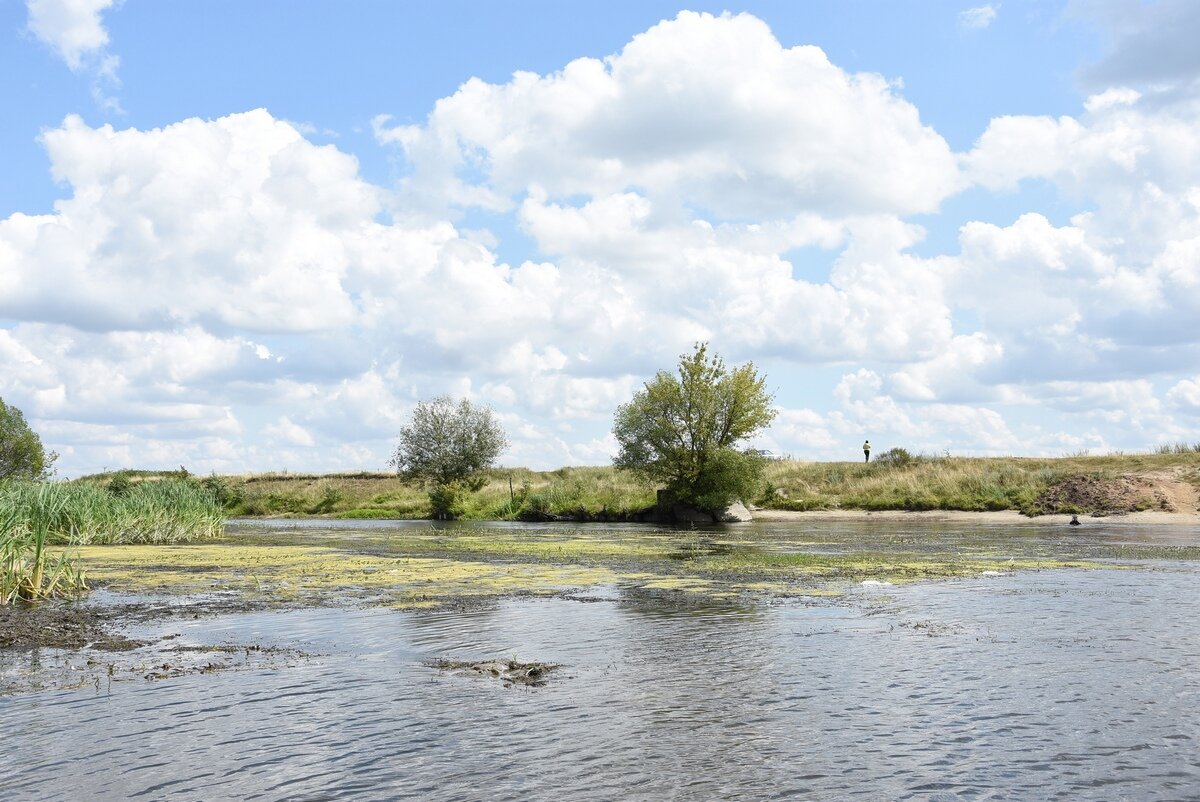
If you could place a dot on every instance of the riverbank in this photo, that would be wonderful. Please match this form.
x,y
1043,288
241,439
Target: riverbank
x,y
1143,518
896,481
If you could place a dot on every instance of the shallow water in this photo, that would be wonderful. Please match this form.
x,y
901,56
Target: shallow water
x,y
1063,684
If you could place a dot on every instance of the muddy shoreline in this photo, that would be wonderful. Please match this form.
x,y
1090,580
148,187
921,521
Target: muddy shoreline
x,y
1154,517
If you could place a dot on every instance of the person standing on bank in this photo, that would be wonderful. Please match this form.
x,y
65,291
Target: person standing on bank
x,y
867,451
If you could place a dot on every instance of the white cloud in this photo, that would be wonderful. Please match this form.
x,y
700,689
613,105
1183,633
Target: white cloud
x,y
239,221
287,432
977,18
1185,396
73,28
709,112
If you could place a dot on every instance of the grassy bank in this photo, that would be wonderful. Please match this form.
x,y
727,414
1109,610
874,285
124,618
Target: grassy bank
x,y
508,494
1034,486
896,481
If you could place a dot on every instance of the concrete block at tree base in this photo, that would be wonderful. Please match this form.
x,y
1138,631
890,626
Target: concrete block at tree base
x,y
735,513
669,510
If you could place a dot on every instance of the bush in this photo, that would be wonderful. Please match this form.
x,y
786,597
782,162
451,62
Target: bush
x,y
448,501
119,485
895,458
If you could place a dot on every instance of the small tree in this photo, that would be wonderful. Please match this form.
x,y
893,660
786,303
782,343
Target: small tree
x,y
21,452
447,446
684,430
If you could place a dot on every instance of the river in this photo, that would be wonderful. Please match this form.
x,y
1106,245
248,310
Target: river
x,y
1053,684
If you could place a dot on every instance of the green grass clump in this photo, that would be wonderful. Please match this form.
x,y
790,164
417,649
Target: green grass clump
x,y
149,511
29,571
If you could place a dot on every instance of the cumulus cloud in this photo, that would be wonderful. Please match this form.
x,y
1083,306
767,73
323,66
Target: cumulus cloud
x,y
239,222
1114,292
709,112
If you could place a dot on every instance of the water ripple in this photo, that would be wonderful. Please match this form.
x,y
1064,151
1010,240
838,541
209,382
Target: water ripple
x,y
1052,685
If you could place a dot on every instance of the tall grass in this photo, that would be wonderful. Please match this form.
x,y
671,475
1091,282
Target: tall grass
x,y
507,494
164,511
952,483
894,480
28,569
1179,448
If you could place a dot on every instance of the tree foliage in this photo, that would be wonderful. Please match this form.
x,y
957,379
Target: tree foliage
x,y
21,452
447,445
684,431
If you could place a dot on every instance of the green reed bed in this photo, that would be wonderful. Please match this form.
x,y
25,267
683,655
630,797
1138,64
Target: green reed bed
x,y
29,569
162,511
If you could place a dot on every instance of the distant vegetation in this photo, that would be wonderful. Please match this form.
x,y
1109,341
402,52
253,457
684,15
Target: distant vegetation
x,y
899,480
503,494
895,480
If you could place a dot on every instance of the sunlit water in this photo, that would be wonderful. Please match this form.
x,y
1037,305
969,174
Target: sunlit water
x,y
1059,684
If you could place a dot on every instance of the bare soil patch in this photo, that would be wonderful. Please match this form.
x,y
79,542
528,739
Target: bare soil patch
x,y
1163,492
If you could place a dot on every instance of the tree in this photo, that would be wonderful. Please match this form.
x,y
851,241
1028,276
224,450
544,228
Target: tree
x,y
683,431
446,446
21,452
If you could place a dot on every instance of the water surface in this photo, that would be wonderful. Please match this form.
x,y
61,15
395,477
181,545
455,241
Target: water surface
x,y
1060,684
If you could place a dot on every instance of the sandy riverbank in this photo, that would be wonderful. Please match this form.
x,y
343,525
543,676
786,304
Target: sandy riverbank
x,y
1155,517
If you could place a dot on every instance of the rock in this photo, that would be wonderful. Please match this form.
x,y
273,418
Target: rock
x,y
687,514
735,513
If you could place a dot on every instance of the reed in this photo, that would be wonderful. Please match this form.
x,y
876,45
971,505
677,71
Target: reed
x,y
29,569
163,511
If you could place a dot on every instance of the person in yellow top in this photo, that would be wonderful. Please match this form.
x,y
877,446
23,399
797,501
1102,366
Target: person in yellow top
x,y
867,451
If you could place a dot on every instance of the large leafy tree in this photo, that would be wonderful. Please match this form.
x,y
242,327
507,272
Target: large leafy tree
x,y
21,452
684,430
447,445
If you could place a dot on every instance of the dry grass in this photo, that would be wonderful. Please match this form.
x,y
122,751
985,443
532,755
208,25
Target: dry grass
x,y
952,483
913,483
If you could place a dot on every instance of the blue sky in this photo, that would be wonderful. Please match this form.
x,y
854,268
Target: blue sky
x,y
250,236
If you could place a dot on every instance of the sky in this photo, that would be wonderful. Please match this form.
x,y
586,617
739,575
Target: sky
x,y
248,236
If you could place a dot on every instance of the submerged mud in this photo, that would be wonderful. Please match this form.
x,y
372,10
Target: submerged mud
x,y
59,625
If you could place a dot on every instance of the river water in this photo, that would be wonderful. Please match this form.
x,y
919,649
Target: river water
x,y
1055,684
